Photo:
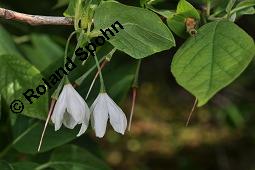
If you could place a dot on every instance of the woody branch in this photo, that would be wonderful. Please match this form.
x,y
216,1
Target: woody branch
x,y
34,19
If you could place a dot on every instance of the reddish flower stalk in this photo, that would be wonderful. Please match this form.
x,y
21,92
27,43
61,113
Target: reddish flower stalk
x,y
98,71
132,108
52,105
191,112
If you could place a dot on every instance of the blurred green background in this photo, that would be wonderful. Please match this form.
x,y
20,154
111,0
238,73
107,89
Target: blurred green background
x,y
221,135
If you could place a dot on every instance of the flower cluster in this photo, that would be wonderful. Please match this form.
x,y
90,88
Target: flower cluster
x,y
71,109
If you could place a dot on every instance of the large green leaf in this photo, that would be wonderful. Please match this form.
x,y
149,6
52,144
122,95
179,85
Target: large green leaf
x,y
17,76
206,63
27,135
25,165
43,51
144,33
72,157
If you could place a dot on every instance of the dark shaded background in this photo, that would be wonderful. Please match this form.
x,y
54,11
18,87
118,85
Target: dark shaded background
x,y
221,134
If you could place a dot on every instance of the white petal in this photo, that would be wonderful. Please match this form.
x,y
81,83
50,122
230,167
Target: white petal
x,y
69,121
92,107
118,118
75,105
85,124
99,115
87,114
84,127
59,110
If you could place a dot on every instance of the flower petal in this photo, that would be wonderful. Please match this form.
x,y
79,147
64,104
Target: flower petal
x,y
75,105
69,121
99,115
85,124
84,127
118,118
92,107
59,110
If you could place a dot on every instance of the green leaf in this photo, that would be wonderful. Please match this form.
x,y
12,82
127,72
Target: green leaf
x,y
143,2
213,59
28,133
162,12
73,6
230,5
82,11
176,22
7,45
246,4
184,8
17,76
118,75
144,33
73,157
5,166
25,165
43,51
61,3
150,2
244,7
246,11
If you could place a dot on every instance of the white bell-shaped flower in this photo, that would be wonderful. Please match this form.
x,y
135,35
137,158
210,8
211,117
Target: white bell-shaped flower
x,y
102,109
71,109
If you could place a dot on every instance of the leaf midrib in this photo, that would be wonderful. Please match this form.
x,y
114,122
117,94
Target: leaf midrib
x,y
212,59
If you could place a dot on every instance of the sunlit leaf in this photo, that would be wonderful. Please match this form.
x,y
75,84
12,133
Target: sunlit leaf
x,y
214,58
144,33
17,76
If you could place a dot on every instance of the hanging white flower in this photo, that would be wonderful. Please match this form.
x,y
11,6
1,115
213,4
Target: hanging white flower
x,y
102,109
70,109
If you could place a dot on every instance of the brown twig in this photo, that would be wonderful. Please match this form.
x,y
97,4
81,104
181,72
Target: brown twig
x,y
192,110
34,19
